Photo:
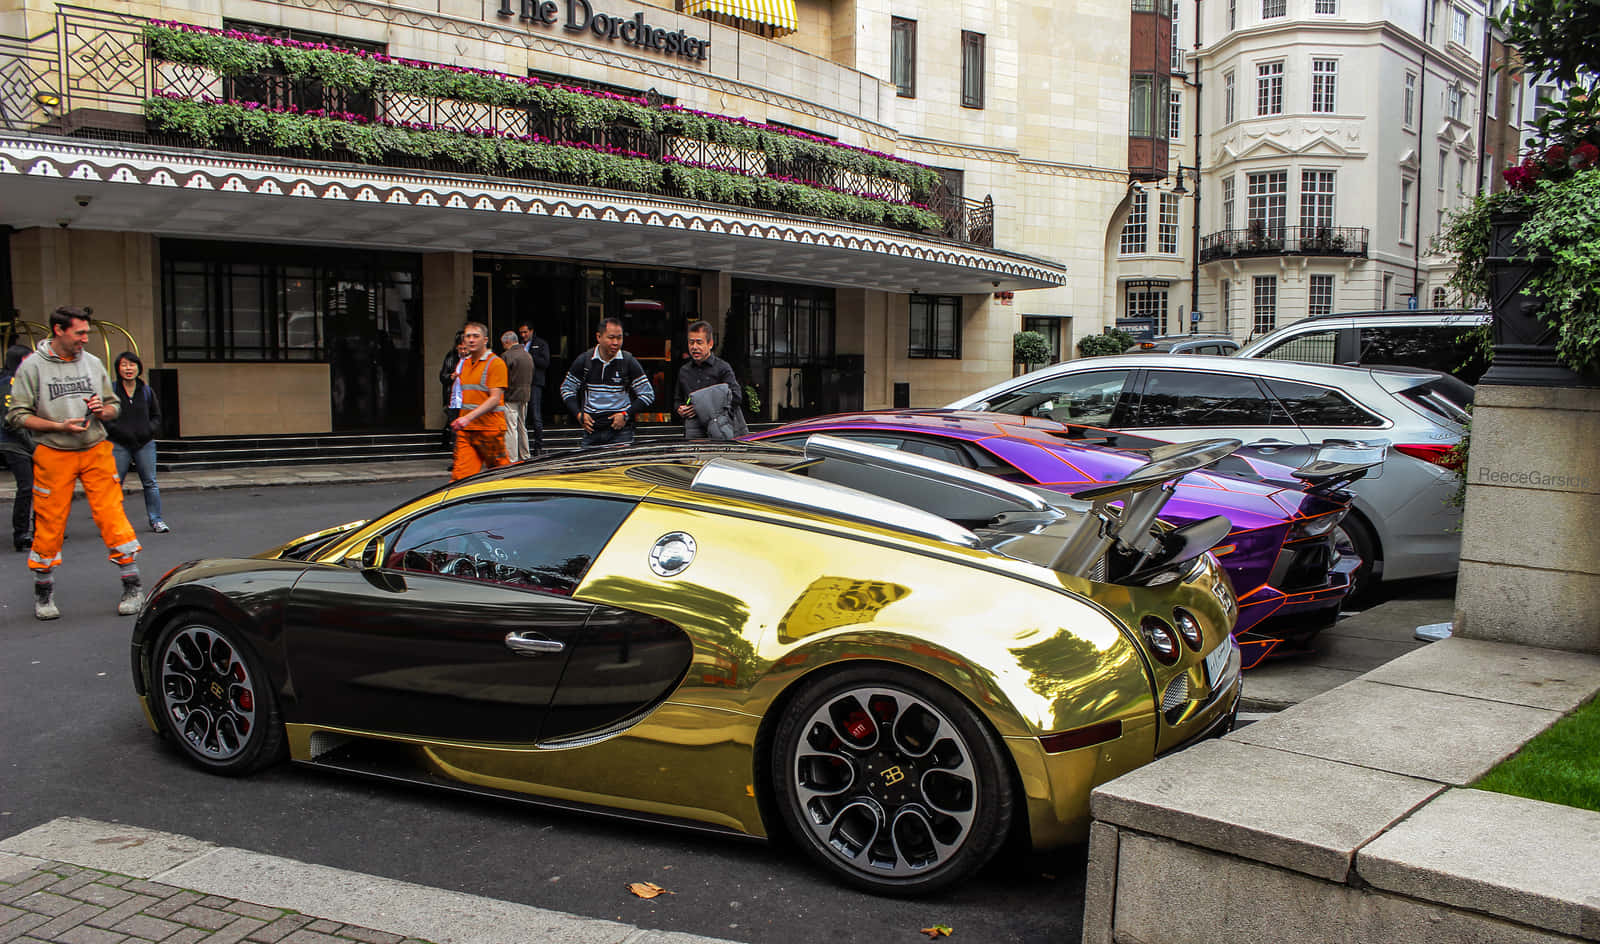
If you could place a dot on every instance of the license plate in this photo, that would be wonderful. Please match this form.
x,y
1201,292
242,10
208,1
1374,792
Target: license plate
x,y
1217,661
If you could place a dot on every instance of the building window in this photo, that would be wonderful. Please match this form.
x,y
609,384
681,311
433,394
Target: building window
x,y
1233,14
1148,300
1227,202
1461,177
1326,7
1453,100
1324,85
1225,302
278,90
1167,235
1440,299
1272,9
1544,97
1175,117
935,326
1444,161
1227,98
1388,290
1145,93
1265,304
1491,101
1316,203
1459,20
1134,230
971,69
1266,202
1405,211
1320,299
1177,47
558,78
1410,98
250,302
1051,329
1269,88
903,56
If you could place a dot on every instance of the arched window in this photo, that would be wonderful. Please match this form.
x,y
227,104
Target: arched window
x,y
1440,299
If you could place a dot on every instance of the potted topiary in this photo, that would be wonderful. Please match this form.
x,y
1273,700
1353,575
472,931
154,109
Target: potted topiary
x,y
1113,341
1027,349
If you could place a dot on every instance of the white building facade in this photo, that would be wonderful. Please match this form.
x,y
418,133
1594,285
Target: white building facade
x,y
1334,137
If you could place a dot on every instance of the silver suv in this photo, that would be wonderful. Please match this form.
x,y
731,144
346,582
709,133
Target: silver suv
x,y
1185,344
1434,339
1402,523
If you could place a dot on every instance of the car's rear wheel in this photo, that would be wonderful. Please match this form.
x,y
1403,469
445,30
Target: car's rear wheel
x,y
891,781
1352,536
210,696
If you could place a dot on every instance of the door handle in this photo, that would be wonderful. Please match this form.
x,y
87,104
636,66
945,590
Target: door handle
x,y
533,644
1270,444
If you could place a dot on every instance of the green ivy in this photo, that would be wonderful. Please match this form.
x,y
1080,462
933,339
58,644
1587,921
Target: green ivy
x,y
208,122
229,56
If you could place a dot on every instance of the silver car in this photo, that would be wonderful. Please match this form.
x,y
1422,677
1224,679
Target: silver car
x,y
1402,523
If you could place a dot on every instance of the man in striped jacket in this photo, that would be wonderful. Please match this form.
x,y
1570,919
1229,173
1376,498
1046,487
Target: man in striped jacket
x,y
605,387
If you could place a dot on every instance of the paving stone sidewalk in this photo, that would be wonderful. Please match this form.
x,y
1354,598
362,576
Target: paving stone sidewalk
x,y
58,903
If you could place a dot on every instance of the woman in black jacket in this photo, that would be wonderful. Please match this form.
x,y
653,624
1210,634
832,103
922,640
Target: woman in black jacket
x,y
16,452
133,433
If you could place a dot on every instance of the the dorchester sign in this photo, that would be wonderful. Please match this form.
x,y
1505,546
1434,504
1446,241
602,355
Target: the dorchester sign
x,y
633,31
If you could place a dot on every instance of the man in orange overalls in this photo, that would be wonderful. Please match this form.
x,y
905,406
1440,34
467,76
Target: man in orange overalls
x,y
481,427
63,396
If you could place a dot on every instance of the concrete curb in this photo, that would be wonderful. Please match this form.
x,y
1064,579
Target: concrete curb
x,y
172,875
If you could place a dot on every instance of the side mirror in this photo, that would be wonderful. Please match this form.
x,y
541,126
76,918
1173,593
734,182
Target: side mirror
x,y
372,555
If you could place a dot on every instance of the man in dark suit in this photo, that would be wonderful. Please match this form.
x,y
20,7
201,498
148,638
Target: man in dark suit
x,y
534,417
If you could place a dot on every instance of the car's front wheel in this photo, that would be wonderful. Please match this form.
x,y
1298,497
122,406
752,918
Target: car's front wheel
x,y
210,696
891,781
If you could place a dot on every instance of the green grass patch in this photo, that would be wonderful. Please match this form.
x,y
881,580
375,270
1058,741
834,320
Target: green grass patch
x,y
1561,765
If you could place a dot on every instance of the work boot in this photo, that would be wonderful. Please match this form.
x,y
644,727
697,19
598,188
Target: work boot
x,y
44,604
132,596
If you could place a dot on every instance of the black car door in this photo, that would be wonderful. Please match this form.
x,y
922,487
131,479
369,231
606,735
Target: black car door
x,y
460,631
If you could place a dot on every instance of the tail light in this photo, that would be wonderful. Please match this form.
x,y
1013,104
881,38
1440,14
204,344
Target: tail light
x,y
1317,526
1439,455
1162,638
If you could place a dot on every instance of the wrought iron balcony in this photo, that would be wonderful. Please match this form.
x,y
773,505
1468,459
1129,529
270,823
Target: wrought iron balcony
x,y
1284,241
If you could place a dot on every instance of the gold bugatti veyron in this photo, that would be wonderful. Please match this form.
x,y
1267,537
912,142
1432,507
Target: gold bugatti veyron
x,y
900,662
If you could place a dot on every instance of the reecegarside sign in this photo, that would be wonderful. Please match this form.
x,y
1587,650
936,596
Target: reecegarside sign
x,y
632,31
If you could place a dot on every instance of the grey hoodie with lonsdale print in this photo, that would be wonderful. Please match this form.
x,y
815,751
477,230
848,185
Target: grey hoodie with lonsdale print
x,y
54,389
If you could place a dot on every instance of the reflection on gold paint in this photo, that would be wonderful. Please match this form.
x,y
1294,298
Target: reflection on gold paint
x,y
832,602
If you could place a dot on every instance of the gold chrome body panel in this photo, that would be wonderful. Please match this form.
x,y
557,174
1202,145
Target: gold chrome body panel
x,y
774,595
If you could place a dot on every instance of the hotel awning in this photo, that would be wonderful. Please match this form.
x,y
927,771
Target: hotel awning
x,y
779,13
100,185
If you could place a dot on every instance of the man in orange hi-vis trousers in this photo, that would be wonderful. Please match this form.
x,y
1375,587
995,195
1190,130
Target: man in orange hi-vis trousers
x,y
481,427
63,395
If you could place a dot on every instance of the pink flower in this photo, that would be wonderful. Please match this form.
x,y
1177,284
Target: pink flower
x,y
1556,154
1585,155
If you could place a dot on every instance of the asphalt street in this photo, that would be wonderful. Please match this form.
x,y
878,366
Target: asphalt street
x,y
73,742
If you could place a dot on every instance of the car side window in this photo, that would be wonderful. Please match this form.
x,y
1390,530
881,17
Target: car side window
x,y
535,542
1444,348
1197,398
1309,347
1310,405
1087,397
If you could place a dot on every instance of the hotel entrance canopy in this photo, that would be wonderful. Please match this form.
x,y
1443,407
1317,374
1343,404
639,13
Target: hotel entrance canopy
x,y
48,180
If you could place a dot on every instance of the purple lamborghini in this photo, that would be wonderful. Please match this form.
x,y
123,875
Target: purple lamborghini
x,y
1286,572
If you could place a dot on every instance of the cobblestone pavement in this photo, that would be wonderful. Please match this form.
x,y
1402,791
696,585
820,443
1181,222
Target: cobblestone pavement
x,y
58,903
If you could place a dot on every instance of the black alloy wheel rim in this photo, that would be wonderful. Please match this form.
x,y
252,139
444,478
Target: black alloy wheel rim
x,y
208,693
885,782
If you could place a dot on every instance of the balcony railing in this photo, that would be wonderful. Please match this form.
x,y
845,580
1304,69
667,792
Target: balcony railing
x,y
91,74
1284,241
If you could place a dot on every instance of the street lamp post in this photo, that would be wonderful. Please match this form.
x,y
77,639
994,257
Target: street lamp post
x,y
1194,257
